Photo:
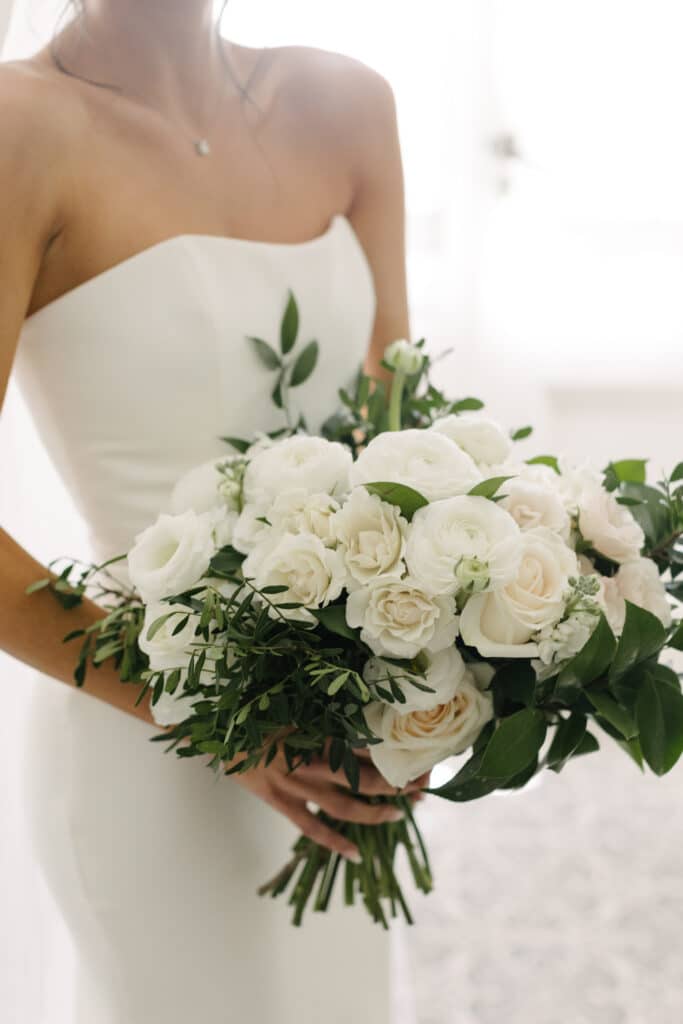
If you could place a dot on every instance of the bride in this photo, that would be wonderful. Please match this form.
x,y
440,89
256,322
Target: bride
x,y
161,189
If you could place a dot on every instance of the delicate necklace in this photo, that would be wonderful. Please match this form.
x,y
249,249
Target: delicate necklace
x,y
201,144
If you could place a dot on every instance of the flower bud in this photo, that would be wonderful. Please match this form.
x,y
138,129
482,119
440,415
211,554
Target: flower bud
x,y
403,357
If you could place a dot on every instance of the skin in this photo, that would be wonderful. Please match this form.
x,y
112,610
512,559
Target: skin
x,y
322,139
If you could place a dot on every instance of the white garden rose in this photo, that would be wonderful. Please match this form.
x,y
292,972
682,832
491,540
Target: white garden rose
x,y
462,542
171,554
640,583
313,574
501,623
403,356
444,671
535,504
608,526
398,619
415,741
300,461
299,511
482,438
372,537
422,459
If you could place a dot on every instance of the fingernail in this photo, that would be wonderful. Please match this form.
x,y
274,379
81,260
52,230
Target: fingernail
x,y
355,856
396,815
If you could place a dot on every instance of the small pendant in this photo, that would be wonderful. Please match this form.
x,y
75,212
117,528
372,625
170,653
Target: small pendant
x,y
202,147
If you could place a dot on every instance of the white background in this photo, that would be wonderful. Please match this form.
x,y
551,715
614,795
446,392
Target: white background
x,y
555,277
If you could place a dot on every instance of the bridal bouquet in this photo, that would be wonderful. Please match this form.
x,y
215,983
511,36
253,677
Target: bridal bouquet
x,y
404,585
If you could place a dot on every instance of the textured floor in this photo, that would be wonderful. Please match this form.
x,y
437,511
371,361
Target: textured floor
x,y
562,904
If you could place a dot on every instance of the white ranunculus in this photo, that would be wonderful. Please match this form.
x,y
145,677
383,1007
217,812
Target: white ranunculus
x,y
171,554
415,741
299,511
312,463
205,487
482,438
501,623
575,478
535,504
372,537
313,574
466,541
608,526
251,528
443,672
402,355
422,459
398,619
640,583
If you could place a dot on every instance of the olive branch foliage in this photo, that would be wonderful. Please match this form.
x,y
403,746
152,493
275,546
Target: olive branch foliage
x,y
262,683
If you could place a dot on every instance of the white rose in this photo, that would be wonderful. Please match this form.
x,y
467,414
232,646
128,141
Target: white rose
x,y
403,356
372,537
203,487
171,554
534,504
639,582
422,459
414,742
398,619
482,438
443,673
297,462
299,511
608,526
313,574
500,624
460,542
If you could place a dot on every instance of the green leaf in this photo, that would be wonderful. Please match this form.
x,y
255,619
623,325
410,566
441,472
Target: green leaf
x,y
157,624
521,433
630,471
405,498
266,354
466,405
487,488
569,735
225,562
652,513
545,460
643,635
334,618
659,713
289,326
468,784
516,682
677,473
676,639
351,769
521,779
613,713
514,744
589,664
237,443
337,683
304,365
276,393
38,585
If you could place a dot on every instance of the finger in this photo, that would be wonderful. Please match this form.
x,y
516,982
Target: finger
x,y
316,830
370,781
337,803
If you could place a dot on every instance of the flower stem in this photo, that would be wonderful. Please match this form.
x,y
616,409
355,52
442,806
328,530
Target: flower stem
x,y
396,400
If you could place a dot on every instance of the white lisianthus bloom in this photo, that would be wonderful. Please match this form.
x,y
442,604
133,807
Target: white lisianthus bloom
x,y
313,574
299,511
482,438
398,619
171,554
207,487
300,461
462,542
372,537
443,673
534,504
640,583
502,623
402,355
413,742
428,462
608,526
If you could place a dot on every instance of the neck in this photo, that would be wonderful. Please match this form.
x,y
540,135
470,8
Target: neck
x,y
163,51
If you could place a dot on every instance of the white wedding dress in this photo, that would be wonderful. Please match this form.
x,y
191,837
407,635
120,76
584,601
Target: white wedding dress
x,y
132,377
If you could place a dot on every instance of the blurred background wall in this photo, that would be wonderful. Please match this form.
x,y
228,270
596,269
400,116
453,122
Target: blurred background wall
x,y
543,158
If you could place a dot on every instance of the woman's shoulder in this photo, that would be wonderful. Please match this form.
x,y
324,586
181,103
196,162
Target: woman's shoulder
x,y
37,114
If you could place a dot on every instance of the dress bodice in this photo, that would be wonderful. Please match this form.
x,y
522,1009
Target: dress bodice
x,y
134,376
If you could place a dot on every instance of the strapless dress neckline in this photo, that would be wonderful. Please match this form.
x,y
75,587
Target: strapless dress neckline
x,y
337,220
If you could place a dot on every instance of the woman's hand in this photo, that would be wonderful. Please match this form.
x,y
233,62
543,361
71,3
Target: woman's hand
x,y
289,792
